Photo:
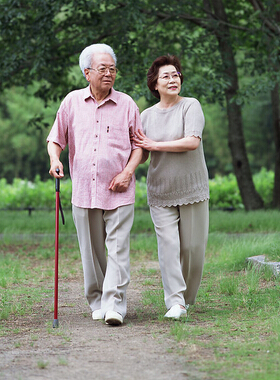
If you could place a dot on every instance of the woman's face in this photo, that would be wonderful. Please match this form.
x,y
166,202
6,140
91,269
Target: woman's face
x,y
168,82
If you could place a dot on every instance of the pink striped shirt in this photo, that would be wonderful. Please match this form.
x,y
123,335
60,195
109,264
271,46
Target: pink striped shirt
x,y
99,145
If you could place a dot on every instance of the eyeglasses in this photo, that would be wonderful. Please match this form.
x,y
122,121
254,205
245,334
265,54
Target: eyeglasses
x,y
103,70
173,76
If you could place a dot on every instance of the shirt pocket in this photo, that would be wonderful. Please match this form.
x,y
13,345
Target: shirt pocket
x,y
117,139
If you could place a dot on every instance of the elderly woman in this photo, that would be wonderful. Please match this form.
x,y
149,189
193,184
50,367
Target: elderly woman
x,y
177,183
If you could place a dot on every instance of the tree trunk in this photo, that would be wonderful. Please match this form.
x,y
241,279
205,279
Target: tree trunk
x,y
276,124
251,199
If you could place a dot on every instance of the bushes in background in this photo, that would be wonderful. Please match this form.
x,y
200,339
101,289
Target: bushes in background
x,y
224,192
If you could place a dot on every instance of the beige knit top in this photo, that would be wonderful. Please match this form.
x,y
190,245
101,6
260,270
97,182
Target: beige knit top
x,y
176,178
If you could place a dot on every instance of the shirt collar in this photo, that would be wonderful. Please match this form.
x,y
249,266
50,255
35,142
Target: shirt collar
x,y
112,96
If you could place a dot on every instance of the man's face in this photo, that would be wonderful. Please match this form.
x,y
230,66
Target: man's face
x,y
101,82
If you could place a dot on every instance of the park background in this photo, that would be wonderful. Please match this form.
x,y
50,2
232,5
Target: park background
x,y
230,57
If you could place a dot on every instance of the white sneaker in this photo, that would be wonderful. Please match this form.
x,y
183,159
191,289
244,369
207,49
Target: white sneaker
x,y
176,312
113,318
96,315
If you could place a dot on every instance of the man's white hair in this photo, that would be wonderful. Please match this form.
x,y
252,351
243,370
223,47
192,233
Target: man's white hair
x,y
87,55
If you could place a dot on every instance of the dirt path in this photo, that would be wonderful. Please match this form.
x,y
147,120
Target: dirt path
x,y
83,349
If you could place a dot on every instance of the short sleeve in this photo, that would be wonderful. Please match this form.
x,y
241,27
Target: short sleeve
x,y
135,125
59,130
194,120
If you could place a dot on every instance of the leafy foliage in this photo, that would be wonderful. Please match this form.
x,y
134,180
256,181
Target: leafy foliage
x,y
25,194
264,184
41,40
224,192
141,193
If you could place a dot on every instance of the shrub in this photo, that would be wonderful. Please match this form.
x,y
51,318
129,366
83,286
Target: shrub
x,y
224,192
25,194
141,193
264,182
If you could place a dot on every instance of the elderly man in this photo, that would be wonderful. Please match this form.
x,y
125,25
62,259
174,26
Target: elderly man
x,y
96,123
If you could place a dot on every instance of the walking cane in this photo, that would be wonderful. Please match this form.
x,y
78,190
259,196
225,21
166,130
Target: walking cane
x,y
57,208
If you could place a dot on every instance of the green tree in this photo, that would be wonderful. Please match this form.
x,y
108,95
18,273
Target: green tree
x,y
23,146
268,16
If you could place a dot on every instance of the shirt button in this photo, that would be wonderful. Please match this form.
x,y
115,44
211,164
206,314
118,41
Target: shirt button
x,y
94,150
96,135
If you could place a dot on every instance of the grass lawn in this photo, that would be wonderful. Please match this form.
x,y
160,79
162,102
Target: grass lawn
x,y
233,330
